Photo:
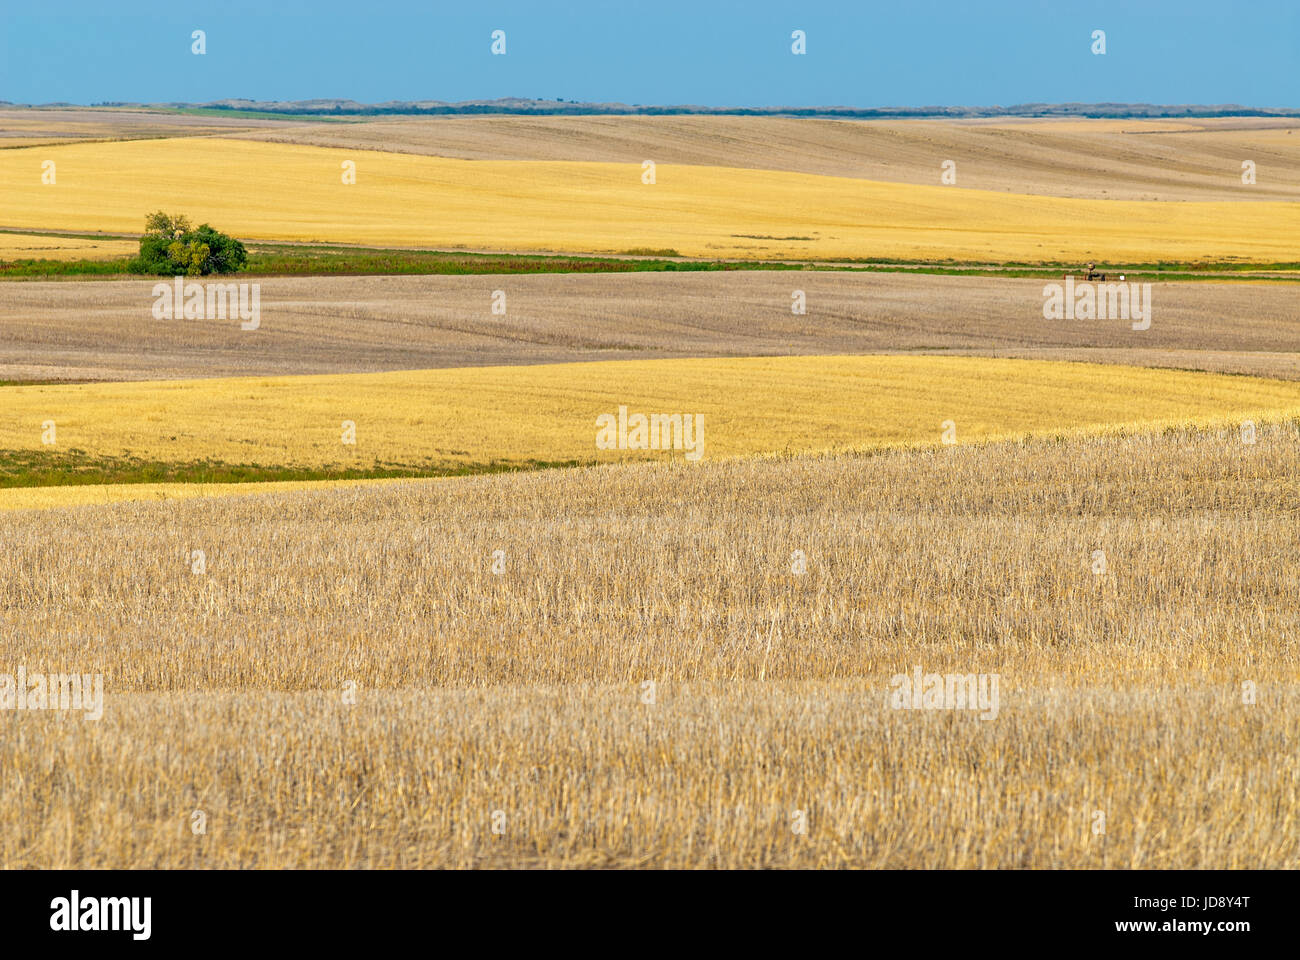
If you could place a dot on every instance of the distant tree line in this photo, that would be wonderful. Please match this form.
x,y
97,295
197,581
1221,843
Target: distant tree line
x,y
532,107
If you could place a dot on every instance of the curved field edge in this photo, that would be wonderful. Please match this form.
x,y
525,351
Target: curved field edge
x,y
1136,159
1133,160
253,189
479,419
43,479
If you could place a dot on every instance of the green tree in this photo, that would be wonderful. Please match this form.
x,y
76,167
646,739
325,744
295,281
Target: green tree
x,y
170,247
189,256
166,225
224,254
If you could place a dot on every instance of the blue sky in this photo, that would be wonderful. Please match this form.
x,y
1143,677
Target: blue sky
x,y
863,54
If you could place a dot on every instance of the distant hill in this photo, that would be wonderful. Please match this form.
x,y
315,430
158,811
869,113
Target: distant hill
x,y
519,105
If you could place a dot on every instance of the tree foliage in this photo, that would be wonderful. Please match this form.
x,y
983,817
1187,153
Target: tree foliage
x,y
171,247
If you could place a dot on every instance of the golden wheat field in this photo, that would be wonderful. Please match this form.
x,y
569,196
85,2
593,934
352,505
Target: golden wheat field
x,y
90,494
1133,159
649,680
480,416
19,246
272,191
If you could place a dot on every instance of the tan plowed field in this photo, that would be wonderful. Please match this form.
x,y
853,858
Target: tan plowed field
x,y
30,127
104,330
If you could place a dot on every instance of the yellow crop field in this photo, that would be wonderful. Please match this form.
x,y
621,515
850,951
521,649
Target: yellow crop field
x,y
473,417
24,246
273,191
99,494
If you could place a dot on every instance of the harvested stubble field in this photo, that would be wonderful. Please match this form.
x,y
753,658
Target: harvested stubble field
x,y
522,692
271,191
104,330
53,125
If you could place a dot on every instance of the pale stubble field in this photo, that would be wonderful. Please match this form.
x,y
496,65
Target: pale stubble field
x,y
349,683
